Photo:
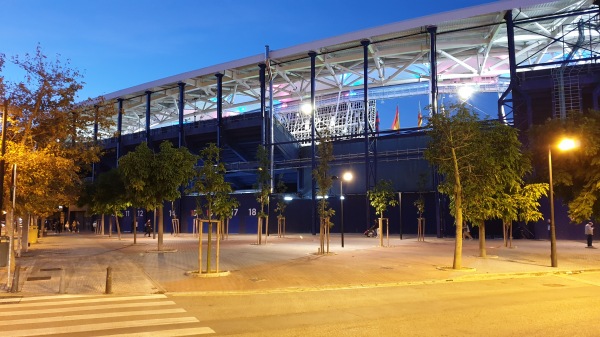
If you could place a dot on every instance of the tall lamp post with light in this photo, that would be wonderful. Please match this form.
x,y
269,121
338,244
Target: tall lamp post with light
x,y
347,176
565,144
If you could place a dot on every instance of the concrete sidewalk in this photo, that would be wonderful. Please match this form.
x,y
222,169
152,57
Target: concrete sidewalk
x,y
283,264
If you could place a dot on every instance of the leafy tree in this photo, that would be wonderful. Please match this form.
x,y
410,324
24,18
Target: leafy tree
x,y
46,125
381,197
210,183
454,148
153,178
106,195
281,204
575,173
263,182
521,203
324,182
224,206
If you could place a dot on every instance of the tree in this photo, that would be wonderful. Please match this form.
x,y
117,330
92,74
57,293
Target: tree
x,y
153,178
454,147
106,195
494,176
575,173
46,124
324,182
263,184
520,203
281,205
210,183
381,197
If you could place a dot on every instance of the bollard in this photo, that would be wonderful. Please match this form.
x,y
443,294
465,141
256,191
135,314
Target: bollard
x,y
108,289
15,285
61,287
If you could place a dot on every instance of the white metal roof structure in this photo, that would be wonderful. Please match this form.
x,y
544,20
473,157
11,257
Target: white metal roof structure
x,y
472,48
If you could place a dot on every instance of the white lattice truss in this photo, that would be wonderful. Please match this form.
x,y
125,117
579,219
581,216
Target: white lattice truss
x,y
342,118
471,50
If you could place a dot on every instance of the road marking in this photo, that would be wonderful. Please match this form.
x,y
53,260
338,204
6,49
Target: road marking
x,y
156,315
168,333
92,316
573,278
14,310
98,327
88,300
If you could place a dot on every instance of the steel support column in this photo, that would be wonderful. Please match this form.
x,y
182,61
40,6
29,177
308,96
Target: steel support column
x,y
432,30
369,179
263,119
95,139
148,99
512,62
219,77
313,57
119,128
433,98
181,109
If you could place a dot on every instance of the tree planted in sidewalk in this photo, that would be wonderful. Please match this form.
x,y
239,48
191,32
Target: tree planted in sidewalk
x,y
106,195
263,185
324,182
381,197
210,184
454,148
153,178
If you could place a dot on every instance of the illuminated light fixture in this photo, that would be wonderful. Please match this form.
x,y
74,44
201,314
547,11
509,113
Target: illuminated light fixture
x,y
306,108
465,92
567,144
287,198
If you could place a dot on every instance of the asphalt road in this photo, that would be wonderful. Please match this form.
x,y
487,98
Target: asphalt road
x,y
528,305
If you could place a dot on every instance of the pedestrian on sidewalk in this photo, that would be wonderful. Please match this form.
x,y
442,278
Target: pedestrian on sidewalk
x,y
467,232
148,228
589,232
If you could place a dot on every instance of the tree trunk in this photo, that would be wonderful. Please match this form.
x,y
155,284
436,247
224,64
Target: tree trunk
x,y
380,232
209,247
259,230
161,226
510,225
327,230
482,252
199,248
218,245
134,226
118,225
457,264
504,233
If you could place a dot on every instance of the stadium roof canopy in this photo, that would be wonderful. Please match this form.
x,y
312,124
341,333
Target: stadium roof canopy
x,y
472,49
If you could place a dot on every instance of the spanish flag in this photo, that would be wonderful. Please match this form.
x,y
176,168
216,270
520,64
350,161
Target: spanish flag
x,y
396,123
419,119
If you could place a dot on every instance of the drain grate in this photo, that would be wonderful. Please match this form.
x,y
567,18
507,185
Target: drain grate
x,y
50,269
38,278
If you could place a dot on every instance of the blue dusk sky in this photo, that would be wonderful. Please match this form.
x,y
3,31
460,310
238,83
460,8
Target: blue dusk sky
x,y
119,44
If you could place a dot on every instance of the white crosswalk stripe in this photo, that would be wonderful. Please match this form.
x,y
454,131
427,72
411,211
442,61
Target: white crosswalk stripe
x,y
151,315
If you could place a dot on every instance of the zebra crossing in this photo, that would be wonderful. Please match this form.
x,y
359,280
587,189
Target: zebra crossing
x,y
81,315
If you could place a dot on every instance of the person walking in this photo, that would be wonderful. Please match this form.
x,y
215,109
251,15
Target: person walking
x,y
148,228
467,232
589,232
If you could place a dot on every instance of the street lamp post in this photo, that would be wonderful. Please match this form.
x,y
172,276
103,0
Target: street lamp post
x,y
553,258
564,145
347,176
